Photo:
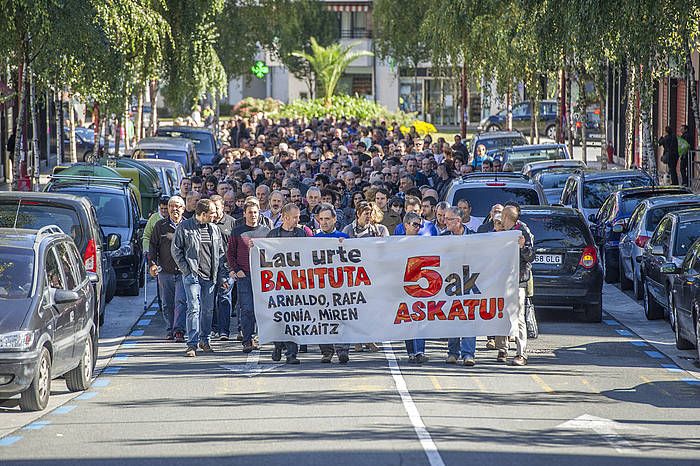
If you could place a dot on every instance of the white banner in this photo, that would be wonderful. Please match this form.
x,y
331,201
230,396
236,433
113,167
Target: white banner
x,y
326,290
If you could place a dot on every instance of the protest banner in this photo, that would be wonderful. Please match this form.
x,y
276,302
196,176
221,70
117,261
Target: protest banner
x,y
326,290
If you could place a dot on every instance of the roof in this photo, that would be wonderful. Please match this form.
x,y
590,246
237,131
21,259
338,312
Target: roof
x,y
161,163
589,173
42,196
185,129
658,201
549,210
163,142
644,190
687,215
80,186
557,163
25,238
530,147
498,134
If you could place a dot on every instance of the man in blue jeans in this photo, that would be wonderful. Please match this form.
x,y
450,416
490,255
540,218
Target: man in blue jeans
x,y
197,249
162,265
460,349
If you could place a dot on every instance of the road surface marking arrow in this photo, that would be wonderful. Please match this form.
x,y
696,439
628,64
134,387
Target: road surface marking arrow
x,y
251,368
606,428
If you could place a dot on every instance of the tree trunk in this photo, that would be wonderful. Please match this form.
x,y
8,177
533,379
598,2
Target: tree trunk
x,y
690,76
19,129
646,94
561,107
71,118
533,119
138,124
602,105
154,107
509,107
117,136
463,99
569,116
35,132
96,127
629,115
59,142
583,103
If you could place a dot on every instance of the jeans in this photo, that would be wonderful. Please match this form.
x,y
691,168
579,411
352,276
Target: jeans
x,y
221,322
200,305
464,347
247,311
415,347
174,307
521,336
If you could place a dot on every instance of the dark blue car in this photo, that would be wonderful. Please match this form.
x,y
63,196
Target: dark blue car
x,y
611,220
203,138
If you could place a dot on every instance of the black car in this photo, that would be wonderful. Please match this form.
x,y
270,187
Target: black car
x,y
118,213
74,215
666,249
611,220
47,327
685,299
497,140
566,269
203,138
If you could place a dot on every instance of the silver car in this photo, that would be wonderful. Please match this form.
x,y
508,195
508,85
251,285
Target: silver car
x,y
644,220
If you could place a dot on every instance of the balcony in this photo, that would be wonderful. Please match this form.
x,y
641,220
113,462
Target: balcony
x,y
355,33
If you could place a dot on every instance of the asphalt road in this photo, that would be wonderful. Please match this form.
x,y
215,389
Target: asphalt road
x,y
592,393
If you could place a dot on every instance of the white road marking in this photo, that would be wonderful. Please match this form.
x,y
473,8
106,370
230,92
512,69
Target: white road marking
x,y
606,428
251,368
424,437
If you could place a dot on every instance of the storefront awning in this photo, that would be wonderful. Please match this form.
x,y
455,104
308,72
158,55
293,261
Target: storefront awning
x,y
347,6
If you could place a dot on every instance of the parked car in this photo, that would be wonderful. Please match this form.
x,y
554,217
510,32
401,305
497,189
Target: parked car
x,y
170,174
483,190
118,213
641,225
522,114
518,156
75,215
47,328
685,300
203,138
552,183
179,150
586,190
612,219
566,269
496,140
666,249
533,168
594,131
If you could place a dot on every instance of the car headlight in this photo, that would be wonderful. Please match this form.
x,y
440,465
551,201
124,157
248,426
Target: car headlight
x,y
124,250
22,340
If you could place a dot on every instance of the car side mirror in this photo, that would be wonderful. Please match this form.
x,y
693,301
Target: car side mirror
x,y
657,250
591,218
617,228
142,223
669,267
93,277
114,242
65,297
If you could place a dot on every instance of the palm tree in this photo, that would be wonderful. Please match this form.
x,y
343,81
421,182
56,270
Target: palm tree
x,y
329,63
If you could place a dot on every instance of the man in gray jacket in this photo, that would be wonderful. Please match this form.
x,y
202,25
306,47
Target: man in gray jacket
x,y
197,248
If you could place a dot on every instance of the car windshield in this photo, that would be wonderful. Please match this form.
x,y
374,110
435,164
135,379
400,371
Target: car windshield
x,y
499,143
686,235
655,215
202,141
482,199
33,215
557,231
174,155
553,180
629,203
596,191
16,272
520,157
111,208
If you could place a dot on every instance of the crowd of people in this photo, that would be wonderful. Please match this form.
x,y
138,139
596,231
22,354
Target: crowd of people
x,y
321,178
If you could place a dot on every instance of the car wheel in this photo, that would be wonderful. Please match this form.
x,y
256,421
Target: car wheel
x,y
132,290
551,132
696,314
80,378
681,342
611,273
637,284
111,286
36,397
652,309
593,312
493,127
625,283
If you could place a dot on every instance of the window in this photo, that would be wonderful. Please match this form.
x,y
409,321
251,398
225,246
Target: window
x,y
16,272
53,271
696,259
636,215
521,110
662,234
36,214
596,191
111,208
686,235
66,261
553,231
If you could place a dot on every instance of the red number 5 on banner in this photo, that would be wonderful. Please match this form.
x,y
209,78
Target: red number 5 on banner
x,y
416,269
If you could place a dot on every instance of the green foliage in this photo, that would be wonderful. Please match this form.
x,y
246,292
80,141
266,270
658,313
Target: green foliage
x,y
250,106
398,36
343,106
329,64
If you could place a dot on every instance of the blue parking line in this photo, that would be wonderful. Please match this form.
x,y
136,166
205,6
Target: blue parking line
x,y
624,333
655,354
151,313
137,333
86,396
101,383
112,370
121,357
639,343
692,381
671,368
7,441
610,322
64,409
131,342
143,322
37,425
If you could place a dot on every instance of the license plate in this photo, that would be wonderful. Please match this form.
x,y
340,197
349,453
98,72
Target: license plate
x,y
548,259
594,135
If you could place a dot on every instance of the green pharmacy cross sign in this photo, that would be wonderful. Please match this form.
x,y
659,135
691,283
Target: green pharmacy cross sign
x,y
260,69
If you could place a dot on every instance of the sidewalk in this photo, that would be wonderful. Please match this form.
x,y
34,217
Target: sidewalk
x,y
44,171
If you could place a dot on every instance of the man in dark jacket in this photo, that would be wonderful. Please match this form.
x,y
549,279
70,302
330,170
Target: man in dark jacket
x,y
288,229
197,249
670,145
510,219
221,321
162,264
